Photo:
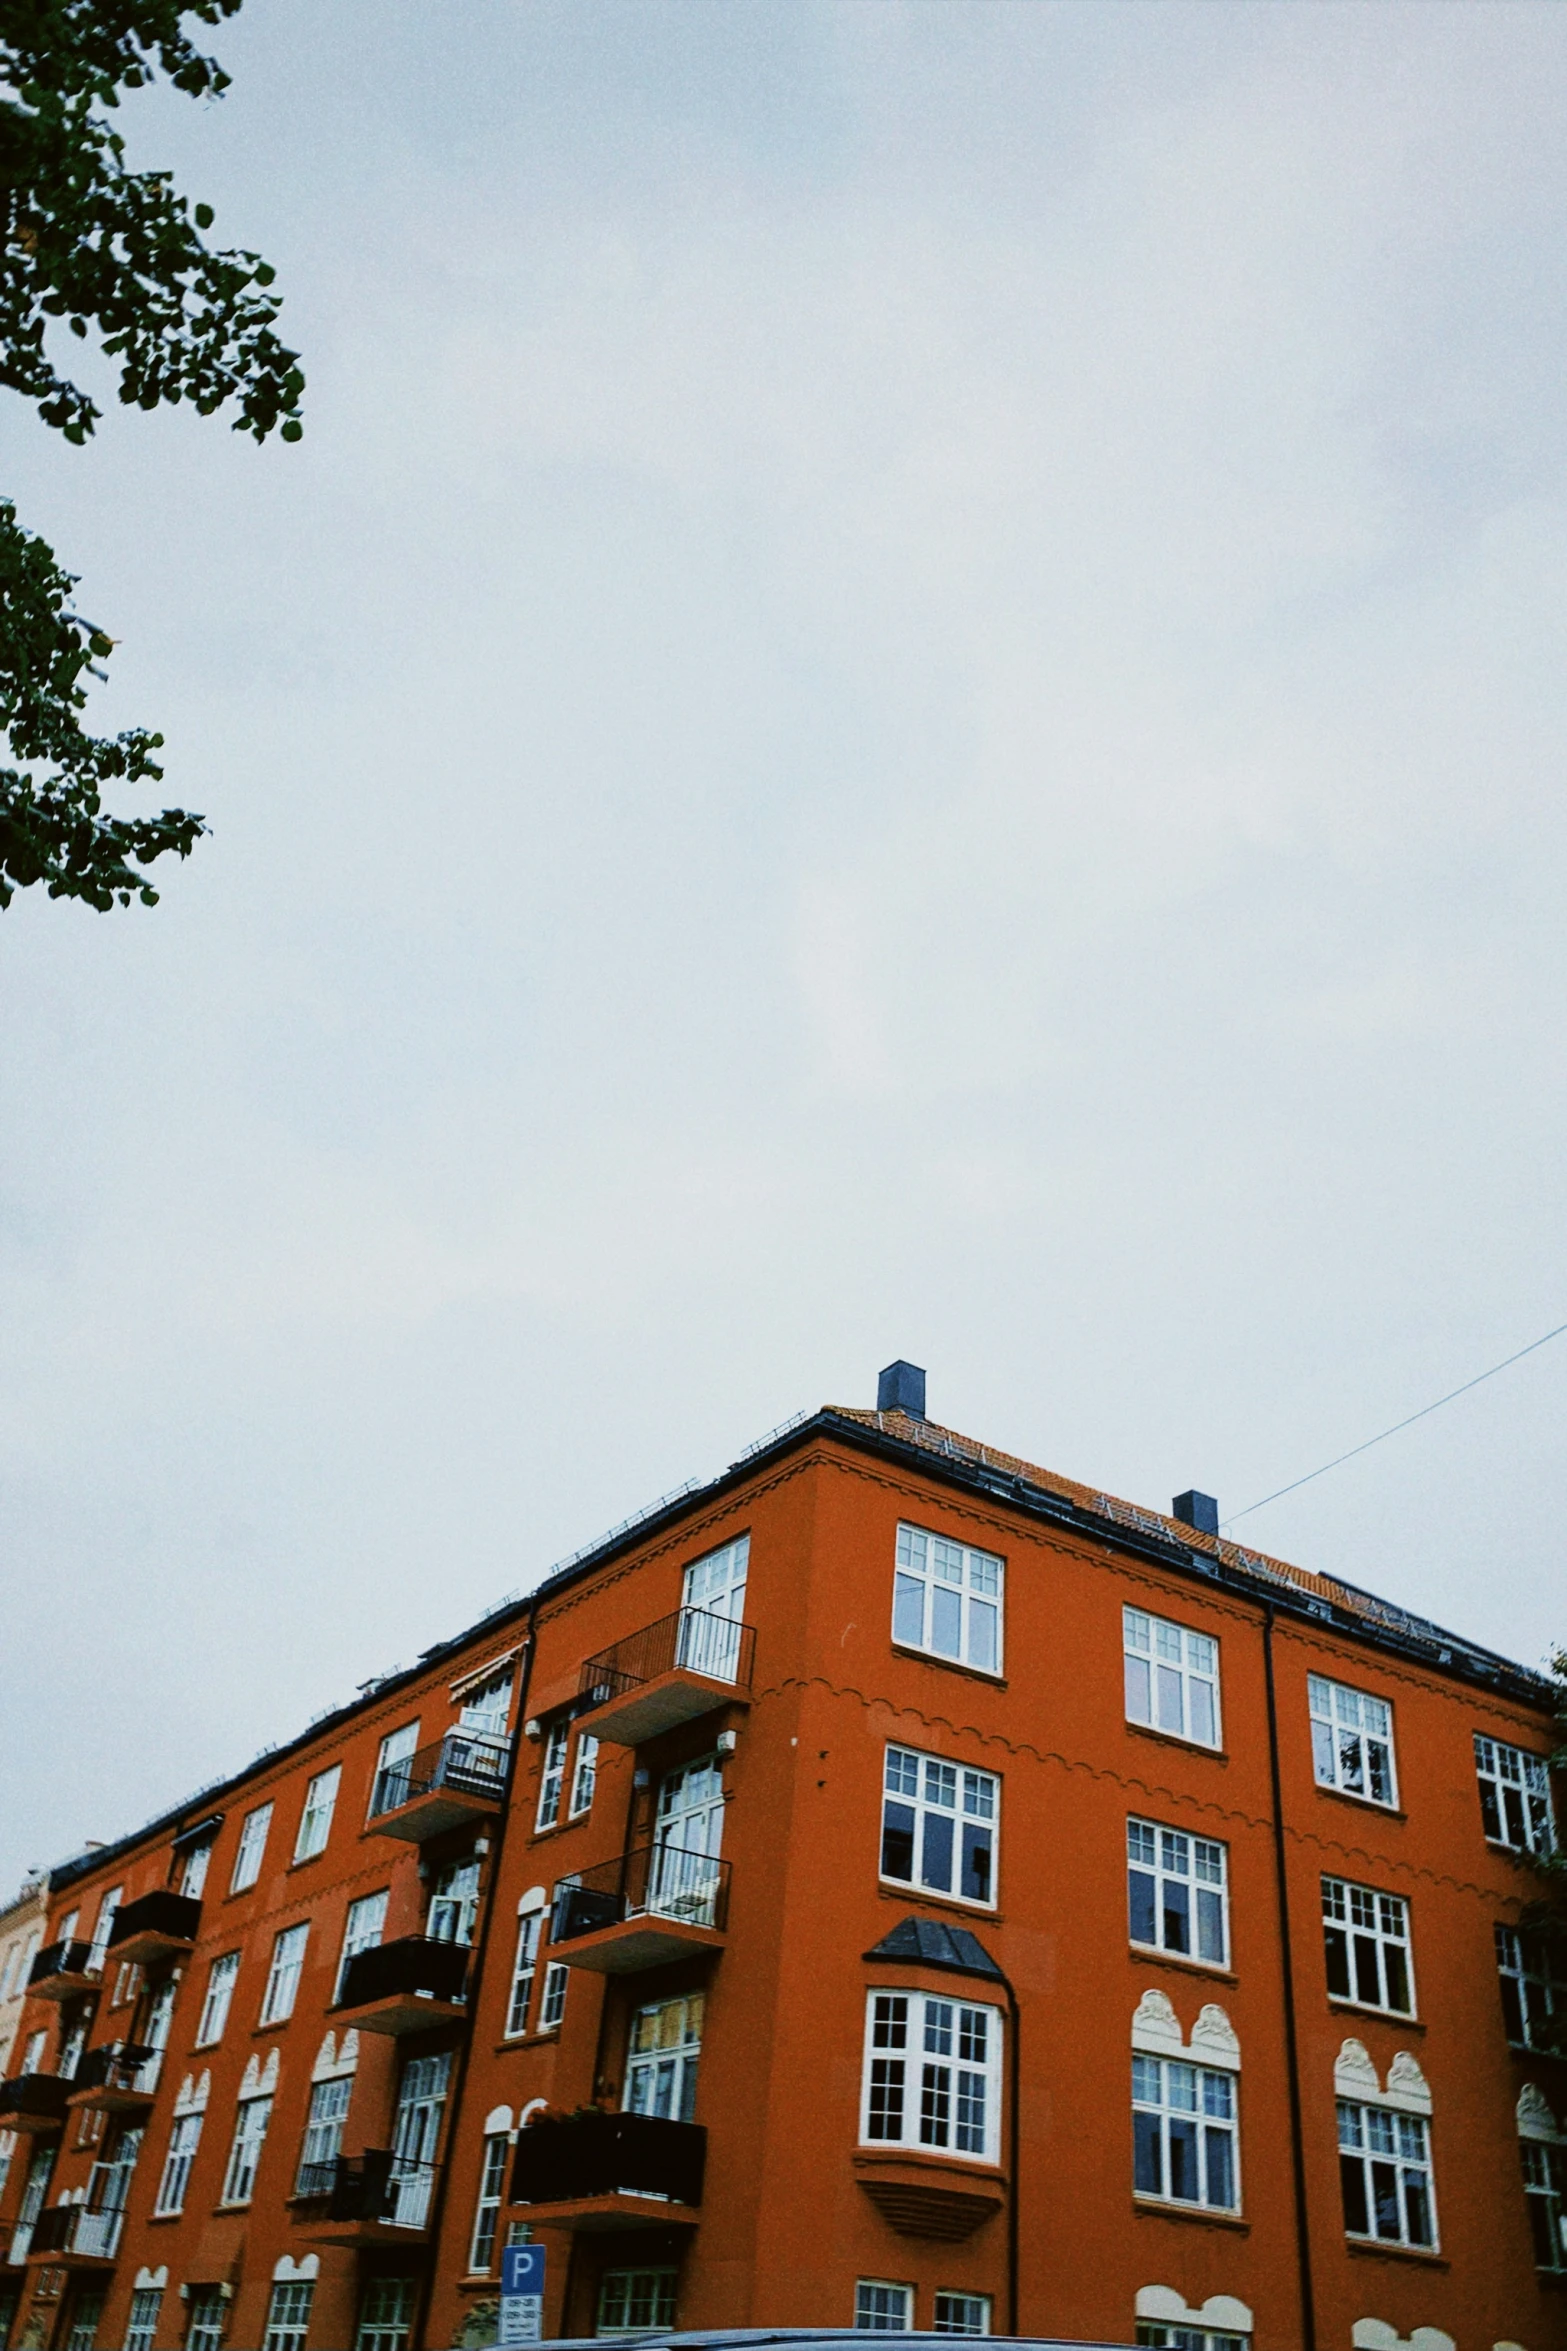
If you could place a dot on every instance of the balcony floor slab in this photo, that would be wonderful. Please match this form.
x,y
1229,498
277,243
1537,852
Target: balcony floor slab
x,y
663,1704
433,1814
399,2013
633,1944
604,2215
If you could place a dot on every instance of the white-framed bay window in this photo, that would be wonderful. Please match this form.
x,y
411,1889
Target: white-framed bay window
x,y
1352,1741
1184,2125
1177,1892
947,1599
1172,1677
939,1822
932,2075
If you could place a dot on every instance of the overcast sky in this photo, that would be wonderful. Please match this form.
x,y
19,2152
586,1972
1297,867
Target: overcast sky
x,y
906,699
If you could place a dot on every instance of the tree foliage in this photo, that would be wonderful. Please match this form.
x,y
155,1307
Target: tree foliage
x,y
91,247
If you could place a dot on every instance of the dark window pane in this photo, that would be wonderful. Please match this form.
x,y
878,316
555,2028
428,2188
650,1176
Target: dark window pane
x,y
1512,1813
1417,2208
1384,2200
1368,1981
1396,1967
1210,1926
1221,2170
897,1842
1352,2175
1177,1916
1147,2165
1183,2159
976,1863
1489,1813
1139,1902
1512,2009
936,1857
1338,1960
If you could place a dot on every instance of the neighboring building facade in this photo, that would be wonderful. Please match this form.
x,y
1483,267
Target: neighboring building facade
x,y
889,1885
22,1925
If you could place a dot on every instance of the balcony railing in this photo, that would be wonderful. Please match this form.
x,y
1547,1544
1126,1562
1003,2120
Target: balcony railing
x,y
375,2186
651,1881
572,2156
118,2065
71,2228
691,1641
161,1919
413,1967
470,1762
40,2096
59,1959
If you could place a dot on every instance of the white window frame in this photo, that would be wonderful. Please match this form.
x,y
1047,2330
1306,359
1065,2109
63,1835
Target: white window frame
x,y
103,1927
486,1709
193,1870
325,2120
525,1966
1181,1867
397,1748
959,2313
315,1818
142,2324
1158,2335
662,2064
252,2117
1365,2117
364,1925
919,2070
1371,1930
283,1973
553,1774
882,2306
288,2314
1172,1681
942,1795
584,1775
184,2139
487,2207
386,2312
251,1848
552,2000
654,2280
1176,2093
1348,1729
1518,1784
1532,1962
949,1600
454,1901
222,1976
1545,2194
204,2330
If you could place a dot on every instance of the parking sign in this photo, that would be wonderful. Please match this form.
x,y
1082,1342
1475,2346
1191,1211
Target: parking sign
x,y
522,2295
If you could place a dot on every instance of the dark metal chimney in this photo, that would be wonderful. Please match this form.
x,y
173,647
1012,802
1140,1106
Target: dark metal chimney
x,y
1197,1510
901,1388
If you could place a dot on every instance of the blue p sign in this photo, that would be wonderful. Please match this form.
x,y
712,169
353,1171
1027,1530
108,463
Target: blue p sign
x,y
522,2269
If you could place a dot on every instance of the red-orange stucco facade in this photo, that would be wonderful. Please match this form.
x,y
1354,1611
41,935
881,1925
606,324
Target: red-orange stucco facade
x,y
990,1906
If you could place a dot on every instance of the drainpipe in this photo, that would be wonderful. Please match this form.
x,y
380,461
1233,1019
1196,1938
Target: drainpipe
x,y
1308,2317
1014,2146
475,1980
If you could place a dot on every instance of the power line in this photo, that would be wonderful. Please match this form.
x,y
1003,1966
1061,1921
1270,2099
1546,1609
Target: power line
x,y
1296,1483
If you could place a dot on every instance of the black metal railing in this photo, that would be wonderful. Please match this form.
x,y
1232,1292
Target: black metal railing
x,y
118,2065
470,1761
59,1959
651,1881
692,1640
71,2228
42,2094
414,1965
178,1916
377,2186
594,2154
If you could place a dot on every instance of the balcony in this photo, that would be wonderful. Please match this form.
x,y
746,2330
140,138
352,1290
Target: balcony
x,y
462,1778
73,2238
119,2078
598,2172
667,1674
650,1906
371,2199
159,1926
409,1986
34,2103
60,1972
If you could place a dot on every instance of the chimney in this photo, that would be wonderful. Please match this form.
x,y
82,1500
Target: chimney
x,y
901,1388
1197,1510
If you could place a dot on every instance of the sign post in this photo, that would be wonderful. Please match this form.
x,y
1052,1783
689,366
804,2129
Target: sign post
x,y
522,2295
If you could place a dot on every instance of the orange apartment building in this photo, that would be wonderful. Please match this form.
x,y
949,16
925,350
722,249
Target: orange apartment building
x,y
889,1885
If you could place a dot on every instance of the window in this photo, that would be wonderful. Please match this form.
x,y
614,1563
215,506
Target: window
x,y
1172,1677
323,2139
583,1778
393,1769
127,1982
315,1822
193,1876
416,2133
33,2055
288,1959
882,2309
385,2315
552,2007
103,1928
554,1774
485,1710
362,1930
938,1825
215,2007
252,1844
1176,1892
1352,1741
1183,2133
635,2301
1515,1797
86,2310
492,2190
146,2302
288,2315
204,2330
947,1599
1385,2167
961,2314
71,2046
712,1607
1532,1970
529,1928
7,2152
1188,2338
932,2074
661,2059
1545,2194
454,1902
183,2141
1367,1939
250,2130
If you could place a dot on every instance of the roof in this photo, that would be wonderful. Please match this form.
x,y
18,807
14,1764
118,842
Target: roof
x,y
927,1942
